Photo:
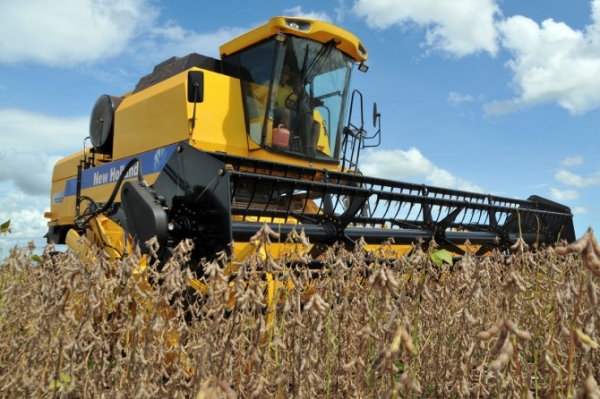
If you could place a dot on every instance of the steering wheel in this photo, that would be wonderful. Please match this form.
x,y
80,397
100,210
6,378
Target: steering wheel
x,y
289,102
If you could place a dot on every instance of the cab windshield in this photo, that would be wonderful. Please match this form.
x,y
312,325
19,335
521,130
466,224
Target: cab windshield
x,y
295,95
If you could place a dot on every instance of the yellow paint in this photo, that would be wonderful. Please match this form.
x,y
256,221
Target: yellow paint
x,y
317,30
152,118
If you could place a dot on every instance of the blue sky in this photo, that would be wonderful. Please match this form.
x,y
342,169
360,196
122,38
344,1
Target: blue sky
x,y
491,96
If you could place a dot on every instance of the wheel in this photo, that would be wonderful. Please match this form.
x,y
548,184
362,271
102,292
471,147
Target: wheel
x,y
289,102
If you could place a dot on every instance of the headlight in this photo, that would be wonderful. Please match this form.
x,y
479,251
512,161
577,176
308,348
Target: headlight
x,y
297,24
362,50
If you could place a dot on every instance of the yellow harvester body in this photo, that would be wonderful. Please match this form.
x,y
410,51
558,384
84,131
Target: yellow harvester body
x,y
213,149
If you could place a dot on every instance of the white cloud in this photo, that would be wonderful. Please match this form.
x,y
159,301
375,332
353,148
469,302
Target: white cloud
x,y
30,172
22,130
170,40
563,195
27,223
411,165
572,161
67,32
395,163
579,210
571,179
456,98
552,63
79,32
31,145
298,12
460,27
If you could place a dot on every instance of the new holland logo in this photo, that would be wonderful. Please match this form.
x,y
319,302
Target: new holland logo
x,y
150,162
160,159
114,173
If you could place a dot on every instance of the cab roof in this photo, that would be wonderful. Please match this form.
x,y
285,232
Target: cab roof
x,y
313,29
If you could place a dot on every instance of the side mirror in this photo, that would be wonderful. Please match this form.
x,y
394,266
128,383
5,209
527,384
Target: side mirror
x,y
195,89
375,114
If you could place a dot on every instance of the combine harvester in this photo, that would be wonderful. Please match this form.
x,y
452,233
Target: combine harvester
x,y
213,149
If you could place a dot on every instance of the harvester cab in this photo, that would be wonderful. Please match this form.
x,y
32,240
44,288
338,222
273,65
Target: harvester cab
x,y
212,150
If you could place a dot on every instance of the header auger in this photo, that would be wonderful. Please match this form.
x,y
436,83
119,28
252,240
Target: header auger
x,y
213,149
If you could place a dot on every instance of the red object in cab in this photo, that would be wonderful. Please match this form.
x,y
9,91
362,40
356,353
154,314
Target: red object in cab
x,y
281,137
